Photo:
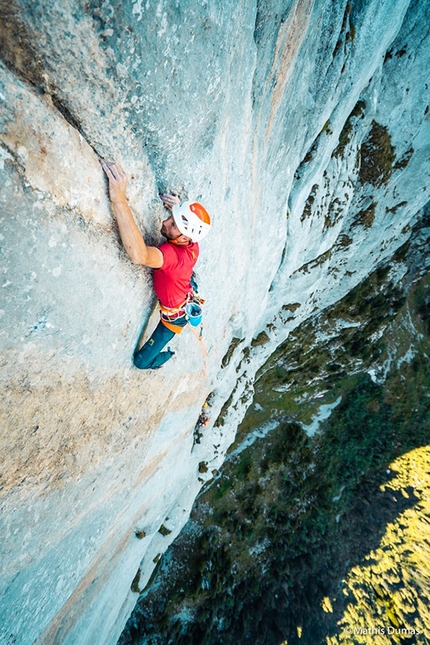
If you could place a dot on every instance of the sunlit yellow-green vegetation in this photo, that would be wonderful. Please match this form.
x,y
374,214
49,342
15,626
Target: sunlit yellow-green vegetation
x,y
390,591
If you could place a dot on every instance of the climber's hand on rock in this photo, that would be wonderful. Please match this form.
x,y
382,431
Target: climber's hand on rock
x,y
117,180
169,200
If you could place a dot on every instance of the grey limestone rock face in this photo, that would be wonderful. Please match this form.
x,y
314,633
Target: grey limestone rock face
x,y
302,126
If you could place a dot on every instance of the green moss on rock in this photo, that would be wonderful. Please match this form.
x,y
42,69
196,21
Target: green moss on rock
x,y
135,583
261,339
307,211
164,530
227,357
366,217
377,157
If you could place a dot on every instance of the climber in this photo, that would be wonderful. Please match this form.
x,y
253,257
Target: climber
x,y
172,261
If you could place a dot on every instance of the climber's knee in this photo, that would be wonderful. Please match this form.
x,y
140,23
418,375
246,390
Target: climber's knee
x,y
141,361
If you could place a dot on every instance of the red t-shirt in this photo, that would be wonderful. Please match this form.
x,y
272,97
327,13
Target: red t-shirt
x,y
172,280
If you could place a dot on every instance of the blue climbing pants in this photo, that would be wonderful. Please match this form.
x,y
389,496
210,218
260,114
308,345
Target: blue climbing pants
x,y
150,355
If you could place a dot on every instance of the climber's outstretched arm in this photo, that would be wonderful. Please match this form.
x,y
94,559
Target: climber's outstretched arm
x,y
131,237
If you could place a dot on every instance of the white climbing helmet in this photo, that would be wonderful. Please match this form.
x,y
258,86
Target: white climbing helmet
x,y
192,219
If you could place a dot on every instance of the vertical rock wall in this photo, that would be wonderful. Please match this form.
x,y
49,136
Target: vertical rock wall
x,y
302,126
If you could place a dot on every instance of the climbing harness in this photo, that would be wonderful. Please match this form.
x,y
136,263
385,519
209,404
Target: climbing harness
x,y
175,318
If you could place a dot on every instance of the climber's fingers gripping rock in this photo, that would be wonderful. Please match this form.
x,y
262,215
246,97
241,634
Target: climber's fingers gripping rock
x,y
117,180
169,200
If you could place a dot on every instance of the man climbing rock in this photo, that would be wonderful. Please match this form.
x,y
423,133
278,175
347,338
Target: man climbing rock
x,y
173,261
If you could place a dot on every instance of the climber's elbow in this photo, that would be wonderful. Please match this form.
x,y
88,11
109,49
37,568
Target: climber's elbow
x,y
137,257
150,256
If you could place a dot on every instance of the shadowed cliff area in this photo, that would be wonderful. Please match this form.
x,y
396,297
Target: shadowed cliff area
x,y
303,127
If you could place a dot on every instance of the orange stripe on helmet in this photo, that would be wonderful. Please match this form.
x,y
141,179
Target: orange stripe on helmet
x,y
201,212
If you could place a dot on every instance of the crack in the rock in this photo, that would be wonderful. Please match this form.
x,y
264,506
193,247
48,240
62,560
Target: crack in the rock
x,y
13,158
